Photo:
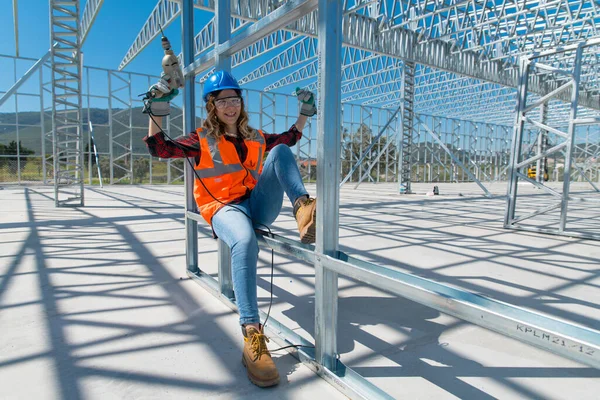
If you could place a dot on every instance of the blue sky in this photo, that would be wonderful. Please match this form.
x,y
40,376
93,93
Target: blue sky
x,y
109,39
113,32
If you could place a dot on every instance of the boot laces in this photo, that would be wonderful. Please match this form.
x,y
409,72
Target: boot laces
x,y
258,344
303,203
309,201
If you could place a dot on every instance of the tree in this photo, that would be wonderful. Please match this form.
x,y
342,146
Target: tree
x,y
141,169
356,144
13,150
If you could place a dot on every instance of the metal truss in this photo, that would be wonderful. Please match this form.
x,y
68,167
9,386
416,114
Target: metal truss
x,y
373,85
304,50
66,103
357,64
408,132
163,14
430,164
479,41
554,213
205,39
92,8
580,344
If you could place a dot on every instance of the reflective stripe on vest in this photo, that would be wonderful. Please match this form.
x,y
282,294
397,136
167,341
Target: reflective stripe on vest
x,y
256,171
219,168
223,176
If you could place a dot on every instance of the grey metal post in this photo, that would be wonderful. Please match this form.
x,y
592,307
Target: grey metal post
x,y
130,131
540,165
406,150
42,124
225,276
570,140
189,122
89,140
515,153
17,128
111,154
223,34
328,175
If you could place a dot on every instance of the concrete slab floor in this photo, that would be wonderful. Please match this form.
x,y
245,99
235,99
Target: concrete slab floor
x,y
94,301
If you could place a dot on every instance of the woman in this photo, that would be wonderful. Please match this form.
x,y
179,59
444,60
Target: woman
x,y
236,192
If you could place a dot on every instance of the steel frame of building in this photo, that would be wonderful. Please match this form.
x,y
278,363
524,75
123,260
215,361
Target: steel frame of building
x,y
114,137
328,260
67,136
458,49
535,113
465,55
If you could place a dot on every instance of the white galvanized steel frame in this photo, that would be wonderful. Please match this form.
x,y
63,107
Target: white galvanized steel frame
x,y
438,163
578,343
478,40
67,136
92,8
570,85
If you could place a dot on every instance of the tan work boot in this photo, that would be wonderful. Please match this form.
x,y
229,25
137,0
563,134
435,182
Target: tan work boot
x,y
257,359
305,212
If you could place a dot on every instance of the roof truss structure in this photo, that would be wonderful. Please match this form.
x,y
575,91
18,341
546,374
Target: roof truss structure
x,y
464,50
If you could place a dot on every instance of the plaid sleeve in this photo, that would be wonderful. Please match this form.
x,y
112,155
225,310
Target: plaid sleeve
x,y
185,146
289,138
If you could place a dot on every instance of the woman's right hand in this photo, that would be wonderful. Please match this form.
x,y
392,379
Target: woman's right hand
x,y
158,98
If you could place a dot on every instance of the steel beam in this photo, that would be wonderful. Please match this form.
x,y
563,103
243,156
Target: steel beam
x,y
92,8
14,88
16,25
66,64
189,125
328,176
279,18
568,340
163,15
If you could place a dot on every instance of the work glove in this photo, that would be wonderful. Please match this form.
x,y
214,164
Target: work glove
x,y
158,97
307,102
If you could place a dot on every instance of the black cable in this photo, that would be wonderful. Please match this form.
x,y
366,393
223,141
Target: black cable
x,y
240,210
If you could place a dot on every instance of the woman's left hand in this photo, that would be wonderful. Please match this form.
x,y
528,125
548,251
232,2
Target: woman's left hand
x,y
307,102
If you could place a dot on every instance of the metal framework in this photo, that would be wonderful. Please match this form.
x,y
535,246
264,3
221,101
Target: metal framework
x,y
365,128
448,65
465,53
406,145
534,113
581,344
67,135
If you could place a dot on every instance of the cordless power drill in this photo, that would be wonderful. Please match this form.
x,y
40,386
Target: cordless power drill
x,y
171,68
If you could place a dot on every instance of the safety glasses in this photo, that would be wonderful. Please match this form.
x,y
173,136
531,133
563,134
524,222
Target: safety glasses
x,y
228,102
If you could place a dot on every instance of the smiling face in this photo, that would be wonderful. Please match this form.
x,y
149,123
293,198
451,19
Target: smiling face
x,y
228,108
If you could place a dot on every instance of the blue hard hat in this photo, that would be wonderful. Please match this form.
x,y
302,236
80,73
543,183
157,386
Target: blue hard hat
x,y
220,80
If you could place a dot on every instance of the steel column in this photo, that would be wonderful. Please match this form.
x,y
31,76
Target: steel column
x,y
517,139
542,144
328,175
406,149
66,103
223,62
189,123
570,140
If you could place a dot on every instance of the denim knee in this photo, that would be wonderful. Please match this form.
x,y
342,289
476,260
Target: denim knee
x,y
247,245
280,150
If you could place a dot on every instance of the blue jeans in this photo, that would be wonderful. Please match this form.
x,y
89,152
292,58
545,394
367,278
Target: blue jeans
x,y
280,174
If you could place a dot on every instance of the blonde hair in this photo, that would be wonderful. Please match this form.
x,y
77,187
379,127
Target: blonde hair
x,y
215,128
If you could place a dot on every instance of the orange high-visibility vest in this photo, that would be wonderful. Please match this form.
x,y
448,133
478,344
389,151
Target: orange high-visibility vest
x,y
223,173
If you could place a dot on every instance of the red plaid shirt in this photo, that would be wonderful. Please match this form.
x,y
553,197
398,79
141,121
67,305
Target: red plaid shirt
x,y
189,146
